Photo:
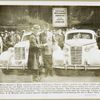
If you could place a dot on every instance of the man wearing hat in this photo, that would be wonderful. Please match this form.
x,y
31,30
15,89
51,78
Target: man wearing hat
x,y
33,62
98,38
47,40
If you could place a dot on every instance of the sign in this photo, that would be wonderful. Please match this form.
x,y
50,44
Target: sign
x,y
59,17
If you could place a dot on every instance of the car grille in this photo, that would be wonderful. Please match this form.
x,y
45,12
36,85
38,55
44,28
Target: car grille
x,y
76,55
19,53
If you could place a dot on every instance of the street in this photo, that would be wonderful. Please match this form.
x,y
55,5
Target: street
x,y
70,76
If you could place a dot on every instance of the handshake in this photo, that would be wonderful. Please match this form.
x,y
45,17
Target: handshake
x,y
42,45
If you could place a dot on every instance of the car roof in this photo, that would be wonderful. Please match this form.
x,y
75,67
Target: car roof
x,y
81,30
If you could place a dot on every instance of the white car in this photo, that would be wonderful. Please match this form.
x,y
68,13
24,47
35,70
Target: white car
x,y
15,57
80,51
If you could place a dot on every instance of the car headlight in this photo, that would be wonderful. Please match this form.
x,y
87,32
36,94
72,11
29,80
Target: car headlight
x,y
66,63
88,48
66,49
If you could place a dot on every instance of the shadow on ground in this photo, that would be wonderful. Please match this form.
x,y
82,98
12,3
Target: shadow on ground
x,y
58,72
61,72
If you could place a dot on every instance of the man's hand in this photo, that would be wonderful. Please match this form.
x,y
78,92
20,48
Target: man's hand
x,y
45,44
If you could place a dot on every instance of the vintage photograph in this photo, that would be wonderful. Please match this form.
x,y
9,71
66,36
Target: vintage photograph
x,y
49,43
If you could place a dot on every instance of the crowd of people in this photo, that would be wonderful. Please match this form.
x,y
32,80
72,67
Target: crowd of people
x,y
41,46
43,41
9,39
41,49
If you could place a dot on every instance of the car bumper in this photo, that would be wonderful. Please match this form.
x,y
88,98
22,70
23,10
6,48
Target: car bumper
x,y
76,67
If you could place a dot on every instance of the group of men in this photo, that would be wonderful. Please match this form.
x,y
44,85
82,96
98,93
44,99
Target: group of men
x,y
40,51
42,43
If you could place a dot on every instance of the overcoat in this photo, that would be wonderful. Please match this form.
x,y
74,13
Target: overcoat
x,y
33,61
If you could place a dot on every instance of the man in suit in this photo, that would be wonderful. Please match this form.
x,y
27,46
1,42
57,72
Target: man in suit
x,y
98,38
34,50
46,39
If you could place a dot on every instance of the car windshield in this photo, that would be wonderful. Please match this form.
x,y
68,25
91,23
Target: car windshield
x,y
79,35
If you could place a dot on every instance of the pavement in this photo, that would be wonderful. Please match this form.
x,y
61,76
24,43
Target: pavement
x,y
58,76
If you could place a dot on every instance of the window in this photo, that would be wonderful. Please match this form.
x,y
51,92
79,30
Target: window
x,y
79,35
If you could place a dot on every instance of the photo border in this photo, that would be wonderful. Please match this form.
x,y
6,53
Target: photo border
x,y
46,3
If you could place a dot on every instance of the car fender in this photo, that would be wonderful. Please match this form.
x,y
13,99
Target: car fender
x,y
5,57
93,57
58,57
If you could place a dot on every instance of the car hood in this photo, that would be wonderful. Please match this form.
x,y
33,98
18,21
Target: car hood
x,y
79,42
